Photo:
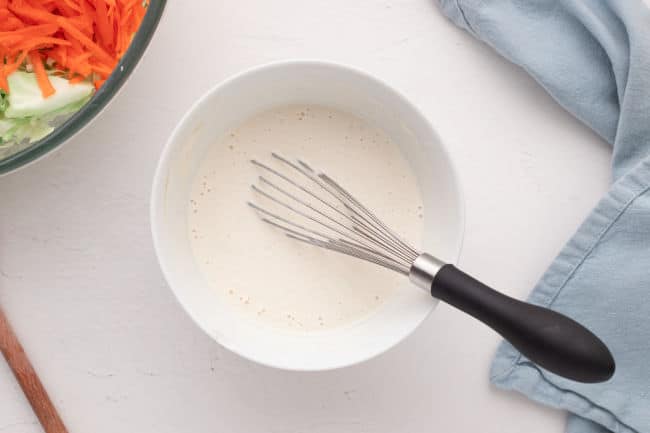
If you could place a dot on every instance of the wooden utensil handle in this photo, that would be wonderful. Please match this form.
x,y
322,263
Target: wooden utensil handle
x,y
28,380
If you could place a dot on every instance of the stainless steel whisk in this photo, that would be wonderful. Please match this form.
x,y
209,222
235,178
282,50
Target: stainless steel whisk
x,y
320,212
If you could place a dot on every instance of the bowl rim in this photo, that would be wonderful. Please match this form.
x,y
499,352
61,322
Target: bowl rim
x,y
159,184
82,118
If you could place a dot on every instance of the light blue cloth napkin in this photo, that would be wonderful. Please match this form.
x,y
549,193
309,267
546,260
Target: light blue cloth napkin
x,y
593,57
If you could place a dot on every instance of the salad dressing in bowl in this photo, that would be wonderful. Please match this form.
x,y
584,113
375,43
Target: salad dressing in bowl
x,y
260,294
268,278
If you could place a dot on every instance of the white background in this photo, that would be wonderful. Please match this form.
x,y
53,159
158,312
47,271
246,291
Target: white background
x,y
80,283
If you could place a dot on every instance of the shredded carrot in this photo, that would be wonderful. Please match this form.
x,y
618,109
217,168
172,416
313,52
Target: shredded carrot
x,y
8,21
77,79
41,76
98,83
3,78
64,9
22,9
12,66
72,4
81,39
33,43
103,27
27,32
84,40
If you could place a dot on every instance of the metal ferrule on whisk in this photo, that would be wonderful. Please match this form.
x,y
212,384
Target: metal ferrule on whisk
x,y
424,270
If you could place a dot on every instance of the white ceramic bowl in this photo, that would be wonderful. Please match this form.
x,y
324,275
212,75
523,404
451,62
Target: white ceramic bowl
x,y
311,82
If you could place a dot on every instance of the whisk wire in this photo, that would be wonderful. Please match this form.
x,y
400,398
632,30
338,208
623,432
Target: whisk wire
x,y
387,237
346,199
276,218
398,240
367,235
339,245
358,232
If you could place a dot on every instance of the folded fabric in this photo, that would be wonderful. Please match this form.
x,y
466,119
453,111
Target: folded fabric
x,y
593,57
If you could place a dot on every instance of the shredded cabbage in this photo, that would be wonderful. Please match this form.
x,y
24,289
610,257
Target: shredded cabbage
x,y
26,115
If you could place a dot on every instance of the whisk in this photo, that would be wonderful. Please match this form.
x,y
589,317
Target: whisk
x,y
311,207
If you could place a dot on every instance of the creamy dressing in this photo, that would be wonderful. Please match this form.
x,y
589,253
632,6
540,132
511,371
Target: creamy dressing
x,y
269,278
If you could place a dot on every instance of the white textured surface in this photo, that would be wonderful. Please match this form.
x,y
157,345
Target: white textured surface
x,y
80,283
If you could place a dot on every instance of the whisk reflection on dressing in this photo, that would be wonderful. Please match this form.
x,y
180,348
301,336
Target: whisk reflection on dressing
x,y
311,207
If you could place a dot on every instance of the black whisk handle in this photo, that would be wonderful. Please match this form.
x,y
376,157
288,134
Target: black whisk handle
x,y
549,339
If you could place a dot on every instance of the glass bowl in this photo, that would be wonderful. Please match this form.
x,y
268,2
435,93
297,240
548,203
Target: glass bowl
x,y
20,155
